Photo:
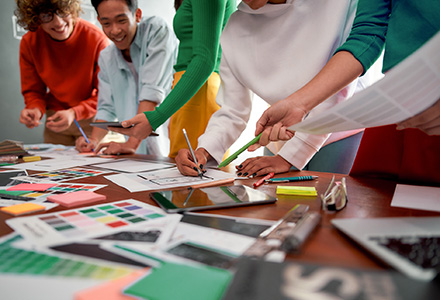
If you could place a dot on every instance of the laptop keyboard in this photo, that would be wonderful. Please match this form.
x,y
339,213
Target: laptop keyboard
x,y
423,251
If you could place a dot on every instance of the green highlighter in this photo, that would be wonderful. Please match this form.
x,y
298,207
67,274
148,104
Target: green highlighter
x,y
228,160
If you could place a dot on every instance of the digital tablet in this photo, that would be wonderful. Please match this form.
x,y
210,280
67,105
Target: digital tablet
x,y
182,200
104,125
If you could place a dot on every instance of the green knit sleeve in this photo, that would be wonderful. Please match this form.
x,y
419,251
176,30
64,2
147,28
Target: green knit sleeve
x,y
208,19
367,36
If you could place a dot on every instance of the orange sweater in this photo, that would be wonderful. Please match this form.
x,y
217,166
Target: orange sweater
x,y
61,75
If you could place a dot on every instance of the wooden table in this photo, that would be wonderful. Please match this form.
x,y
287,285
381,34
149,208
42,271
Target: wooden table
x,y
368,198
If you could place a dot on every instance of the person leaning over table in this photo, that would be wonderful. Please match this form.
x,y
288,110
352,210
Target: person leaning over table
x,y
272,48
399,153
136,72
58,67
198,25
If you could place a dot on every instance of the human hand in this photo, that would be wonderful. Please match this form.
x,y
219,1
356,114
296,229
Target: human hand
x,y
30,117
60,120
82,146
275,121
262,165
185,162
427,121
115,148
137,127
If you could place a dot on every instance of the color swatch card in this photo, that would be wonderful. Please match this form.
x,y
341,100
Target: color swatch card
x,y
61,175
84,223
41,196
20,261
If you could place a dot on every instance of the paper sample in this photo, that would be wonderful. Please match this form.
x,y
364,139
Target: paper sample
x,y
24,208
406,90
134,165
168,179
417,197
86,222
76,198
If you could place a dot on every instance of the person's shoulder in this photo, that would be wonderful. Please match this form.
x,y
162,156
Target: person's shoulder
x,y
108,56
33,38
155,21
152,27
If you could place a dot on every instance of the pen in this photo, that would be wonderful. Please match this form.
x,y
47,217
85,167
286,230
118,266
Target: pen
x,y
290,179
228,160
262,180
82,132
192,153
301,232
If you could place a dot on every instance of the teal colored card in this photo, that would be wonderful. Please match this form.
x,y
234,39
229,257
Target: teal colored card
x,y
176,281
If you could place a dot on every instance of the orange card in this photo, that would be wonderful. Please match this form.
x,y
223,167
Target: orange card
x,y
24,208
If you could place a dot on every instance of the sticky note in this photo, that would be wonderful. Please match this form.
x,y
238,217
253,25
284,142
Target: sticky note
x,y
297,190
31,158
76,198
24,208
40,187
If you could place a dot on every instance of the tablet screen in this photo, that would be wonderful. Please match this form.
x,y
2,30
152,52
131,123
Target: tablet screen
x,y
210,198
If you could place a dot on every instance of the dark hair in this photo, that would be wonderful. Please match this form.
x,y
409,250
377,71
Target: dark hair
x,y
27,11
132,4
177,4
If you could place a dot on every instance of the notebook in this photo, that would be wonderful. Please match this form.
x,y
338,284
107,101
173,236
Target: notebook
x,y
410,244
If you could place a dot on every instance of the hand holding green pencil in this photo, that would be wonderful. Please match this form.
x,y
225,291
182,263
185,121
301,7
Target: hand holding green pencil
x,y
228,160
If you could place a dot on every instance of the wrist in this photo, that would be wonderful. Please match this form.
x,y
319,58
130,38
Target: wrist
x,y
203,152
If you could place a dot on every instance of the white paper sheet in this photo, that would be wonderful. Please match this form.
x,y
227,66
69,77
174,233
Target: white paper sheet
x,y
406,90
134,165
64,162
168,179
417,197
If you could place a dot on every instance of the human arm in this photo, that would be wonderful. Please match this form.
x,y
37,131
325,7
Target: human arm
x,y
341,69
32,87
207,18
131,145
353,58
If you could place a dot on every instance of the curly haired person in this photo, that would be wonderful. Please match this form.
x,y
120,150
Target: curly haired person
x,y
58,67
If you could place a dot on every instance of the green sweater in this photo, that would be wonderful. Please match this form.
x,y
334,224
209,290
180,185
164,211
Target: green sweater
x,y
404,24
198,25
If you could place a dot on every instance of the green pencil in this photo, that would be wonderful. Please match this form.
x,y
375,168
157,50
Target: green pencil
x,y
228,160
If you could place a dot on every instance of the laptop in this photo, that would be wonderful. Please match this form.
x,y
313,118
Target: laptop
x,y
408,244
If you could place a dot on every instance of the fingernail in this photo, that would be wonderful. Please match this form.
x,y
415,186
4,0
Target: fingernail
x,y
240,166
195,169
239,173
201,166
253,175
245,174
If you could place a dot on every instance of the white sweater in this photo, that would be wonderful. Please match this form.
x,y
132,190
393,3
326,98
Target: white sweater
x,y
272,52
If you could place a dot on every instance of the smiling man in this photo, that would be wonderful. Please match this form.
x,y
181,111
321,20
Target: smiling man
x,y
59,67
136,72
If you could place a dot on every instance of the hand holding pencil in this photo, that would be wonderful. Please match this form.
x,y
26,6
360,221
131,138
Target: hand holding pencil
x,y
189,162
